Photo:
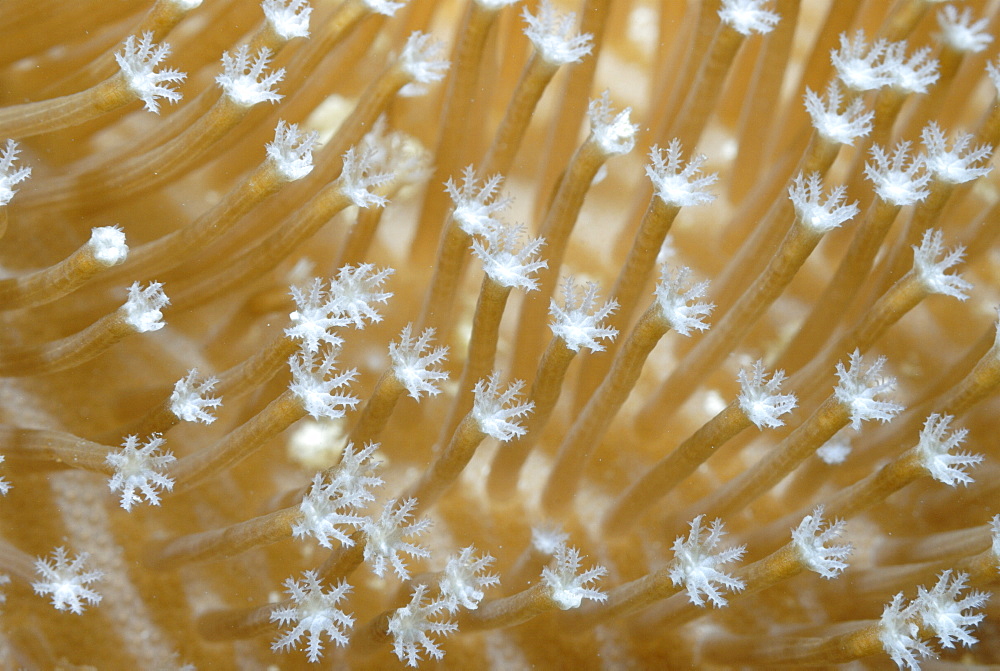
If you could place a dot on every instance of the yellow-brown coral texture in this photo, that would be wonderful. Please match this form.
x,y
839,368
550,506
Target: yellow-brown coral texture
x,y
498,334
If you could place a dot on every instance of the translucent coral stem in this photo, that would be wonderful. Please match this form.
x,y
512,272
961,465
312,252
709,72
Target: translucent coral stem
x,y
593,423
279,414
177,247
343,561
902,297
235,382
545,392
700,101
632,280
140,172
509,611
594,20
482,349
902,19
777,651
729,332
449,464
752,483
378,409
842,288
978,384
634,275
50,284
452,153
328,34
225,542
755,130
68,352
17,562
63,450
556,228
228,625
536,77
764,219
45,116
780,565
372,103
924,217
440,296
360,237
668,99
229,273
672,469
629,597
874,489
158,21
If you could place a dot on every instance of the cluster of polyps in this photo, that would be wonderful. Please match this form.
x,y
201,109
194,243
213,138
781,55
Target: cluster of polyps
x,y
602,343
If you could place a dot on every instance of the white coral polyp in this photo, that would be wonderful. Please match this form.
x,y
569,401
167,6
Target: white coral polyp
x,y
932,271
961,33
696,563
476,207
567,586
948,614
759,398
140,470
386,538
614,133
189,401
137,60
578,322
9,176
314,380
935,449
834,125
806,194
324,509
313,612
107,244
494,408
859,390
337,496
246,80
860,67
291,151
415,365
811,538
509,259
675,297
676,183
357,291
362,176
464,580
961,163
914,74
898,179
900,634
410,626
142,310
554,35
493,5
748,16
288,18
67,580
383,7
423,58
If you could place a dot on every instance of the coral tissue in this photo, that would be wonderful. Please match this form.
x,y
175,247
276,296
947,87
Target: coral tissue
x,y
499,334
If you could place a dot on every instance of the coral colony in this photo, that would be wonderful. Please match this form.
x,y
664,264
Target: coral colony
x,y
499,334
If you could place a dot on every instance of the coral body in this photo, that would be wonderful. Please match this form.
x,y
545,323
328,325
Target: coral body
x,y
406,361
